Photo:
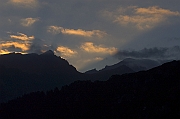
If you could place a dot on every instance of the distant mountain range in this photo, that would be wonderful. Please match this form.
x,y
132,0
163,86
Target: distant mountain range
x,y
128,65
151,94
21,74
134,64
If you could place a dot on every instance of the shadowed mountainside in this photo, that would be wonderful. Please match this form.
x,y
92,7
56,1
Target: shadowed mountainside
x,y
21,74
24,73
147,94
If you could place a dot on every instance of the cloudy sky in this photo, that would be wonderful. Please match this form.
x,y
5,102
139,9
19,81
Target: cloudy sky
x,y
85,32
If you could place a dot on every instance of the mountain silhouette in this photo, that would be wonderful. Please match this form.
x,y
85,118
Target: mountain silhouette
x,y
92,71
128,65
146,94
135,64
24,73
34,63
104,75
49,52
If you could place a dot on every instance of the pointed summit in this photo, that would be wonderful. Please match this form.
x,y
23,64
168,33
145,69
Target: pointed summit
x,y
49,53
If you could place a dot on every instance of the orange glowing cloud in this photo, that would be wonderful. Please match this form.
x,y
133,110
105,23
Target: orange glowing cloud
x,y
4,52
24,3
22,46
156,10
22,37
91,48
78,32
66,52
142,18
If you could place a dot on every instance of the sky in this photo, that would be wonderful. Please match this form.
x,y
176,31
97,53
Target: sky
x,y
91,33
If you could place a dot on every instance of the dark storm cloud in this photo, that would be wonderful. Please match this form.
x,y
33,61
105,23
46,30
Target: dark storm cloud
x,y
152,53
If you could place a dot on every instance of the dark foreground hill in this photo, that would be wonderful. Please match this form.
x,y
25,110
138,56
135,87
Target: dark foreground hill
x,y
144,95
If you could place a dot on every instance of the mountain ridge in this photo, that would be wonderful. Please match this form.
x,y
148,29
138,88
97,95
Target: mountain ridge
x,y
35,62
153,93
24,73
134,64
